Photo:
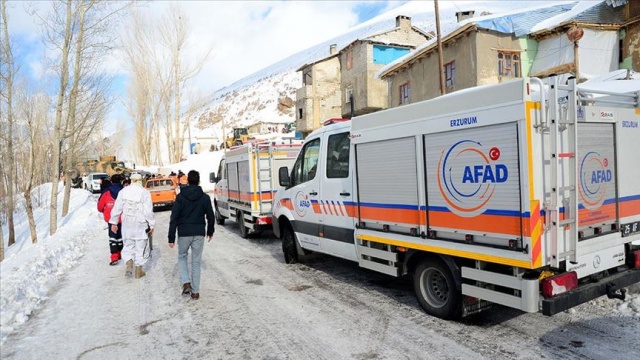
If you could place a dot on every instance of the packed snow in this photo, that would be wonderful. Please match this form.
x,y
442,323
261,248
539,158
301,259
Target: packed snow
x,y
62,288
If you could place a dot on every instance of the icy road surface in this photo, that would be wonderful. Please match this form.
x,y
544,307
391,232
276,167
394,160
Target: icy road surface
x,y
254,306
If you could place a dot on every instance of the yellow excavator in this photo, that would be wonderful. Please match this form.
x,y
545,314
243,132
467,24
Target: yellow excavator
x,y
240,136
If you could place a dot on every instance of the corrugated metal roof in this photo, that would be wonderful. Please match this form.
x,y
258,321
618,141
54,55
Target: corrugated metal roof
x,y
521,23
603,13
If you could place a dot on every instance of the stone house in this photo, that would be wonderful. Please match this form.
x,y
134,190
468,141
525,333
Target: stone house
x,y
484,50
343,84
266,127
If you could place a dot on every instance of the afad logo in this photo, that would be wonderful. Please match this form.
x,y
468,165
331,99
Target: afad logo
x,y
468,176
301,203
595,177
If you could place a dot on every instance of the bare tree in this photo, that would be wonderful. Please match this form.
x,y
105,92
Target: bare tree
x,y
148,87
8,72
32,109
174,31
87,28
156,52
58,128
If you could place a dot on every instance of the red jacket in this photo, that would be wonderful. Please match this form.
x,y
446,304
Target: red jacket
x,y
105,204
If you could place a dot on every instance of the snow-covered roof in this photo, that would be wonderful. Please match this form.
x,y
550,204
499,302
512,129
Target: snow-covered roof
x,y
517,22
593,12
370,38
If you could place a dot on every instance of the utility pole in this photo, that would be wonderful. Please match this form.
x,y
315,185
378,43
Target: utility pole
x,y
440,61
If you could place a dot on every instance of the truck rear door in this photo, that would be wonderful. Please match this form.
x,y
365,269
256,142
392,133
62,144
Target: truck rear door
x,y
597,189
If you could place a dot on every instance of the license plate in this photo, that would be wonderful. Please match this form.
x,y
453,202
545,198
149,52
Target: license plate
x,y
630,228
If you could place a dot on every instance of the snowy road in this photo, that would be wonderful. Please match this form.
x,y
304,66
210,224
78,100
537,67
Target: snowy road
x,y
254,306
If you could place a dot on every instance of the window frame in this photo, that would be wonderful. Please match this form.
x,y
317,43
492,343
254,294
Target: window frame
x,y
405,93
449,73
348,91
505,57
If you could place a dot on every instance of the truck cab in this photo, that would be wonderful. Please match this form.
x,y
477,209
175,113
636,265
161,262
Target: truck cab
x,y
314,209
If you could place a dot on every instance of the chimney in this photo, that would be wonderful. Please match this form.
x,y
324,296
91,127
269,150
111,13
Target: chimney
x,y
403,21
332,49
463,15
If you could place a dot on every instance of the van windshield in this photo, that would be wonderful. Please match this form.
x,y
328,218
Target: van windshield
x,y
98,176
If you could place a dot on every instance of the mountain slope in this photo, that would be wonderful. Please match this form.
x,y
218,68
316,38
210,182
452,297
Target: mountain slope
x,y
269,94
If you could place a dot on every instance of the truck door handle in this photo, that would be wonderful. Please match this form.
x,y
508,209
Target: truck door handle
x,y
345,194
313,193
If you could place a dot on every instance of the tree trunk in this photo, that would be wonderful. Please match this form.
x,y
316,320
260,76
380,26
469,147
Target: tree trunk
x,y
10,160
176,94
73,103
58,127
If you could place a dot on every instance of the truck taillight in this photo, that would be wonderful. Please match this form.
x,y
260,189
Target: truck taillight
x,y
558,284
264,220
636,259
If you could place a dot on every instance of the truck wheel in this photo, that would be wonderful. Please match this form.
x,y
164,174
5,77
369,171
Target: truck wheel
x,y
244,231
289,245
219,217
436,290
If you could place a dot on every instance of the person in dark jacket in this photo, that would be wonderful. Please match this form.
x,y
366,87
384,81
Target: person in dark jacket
x,y
188,216
105,183
105,204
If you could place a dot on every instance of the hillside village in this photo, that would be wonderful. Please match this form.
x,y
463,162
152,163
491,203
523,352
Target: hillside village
x,y
392,60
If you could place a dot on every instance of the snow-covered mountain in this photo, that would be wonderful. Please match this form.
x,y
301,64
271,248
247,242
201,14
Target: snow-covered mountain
x,y
269,94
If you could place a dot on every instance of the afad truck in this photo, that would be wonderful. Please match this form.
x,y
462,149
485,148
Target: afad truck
x,y
496,194
246,183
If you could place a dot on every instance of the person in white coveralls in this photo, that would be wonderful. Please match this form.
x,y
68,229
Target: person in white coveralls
x,y
134,203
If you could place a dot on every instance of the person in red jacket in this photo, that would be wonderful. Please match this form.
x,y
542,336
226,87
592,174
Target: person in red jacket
x,y
105,204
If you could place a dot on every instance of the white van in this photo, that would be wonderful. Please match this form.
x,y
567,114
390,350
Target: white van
x,y
92,181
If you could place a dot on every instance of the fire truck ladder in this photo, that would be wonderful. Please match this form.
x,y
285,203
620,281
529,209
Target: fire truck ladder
x,y
264,178
562,205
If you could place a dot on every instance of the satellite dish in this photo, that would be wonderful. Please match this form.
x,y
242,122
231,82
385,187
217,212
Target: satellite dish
x,y
575,33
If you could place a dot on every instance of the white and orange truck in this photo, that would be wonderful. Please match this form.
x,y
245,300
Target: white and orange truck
x,y
246,183
524,194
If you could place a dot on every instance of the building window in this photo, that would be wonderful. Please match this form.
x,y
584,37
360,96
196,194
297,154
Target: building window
x,y
509,63
348,95
405,93
349,59
300,113
450,74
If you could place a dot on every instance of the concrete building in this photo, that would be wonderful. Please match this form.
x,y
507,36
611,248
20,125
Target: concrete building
x,y
484,50
343,83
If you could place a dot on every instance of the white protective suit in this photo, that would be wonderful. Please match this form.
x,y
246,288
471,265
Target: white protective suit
x,y
134,203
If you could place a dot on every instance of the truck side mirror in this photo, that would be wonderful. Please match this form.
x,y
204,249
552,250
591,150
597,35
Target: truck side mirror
x,y
283,176
213,178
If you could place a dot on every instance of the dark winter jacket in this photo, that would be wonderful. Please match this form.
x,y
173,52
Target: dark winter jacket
x,y
188,214
107,200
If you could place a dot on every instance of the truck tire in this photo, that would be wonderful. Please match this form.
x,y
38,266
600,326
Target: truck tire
x,y
219,217
289,245
244,231
436,290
